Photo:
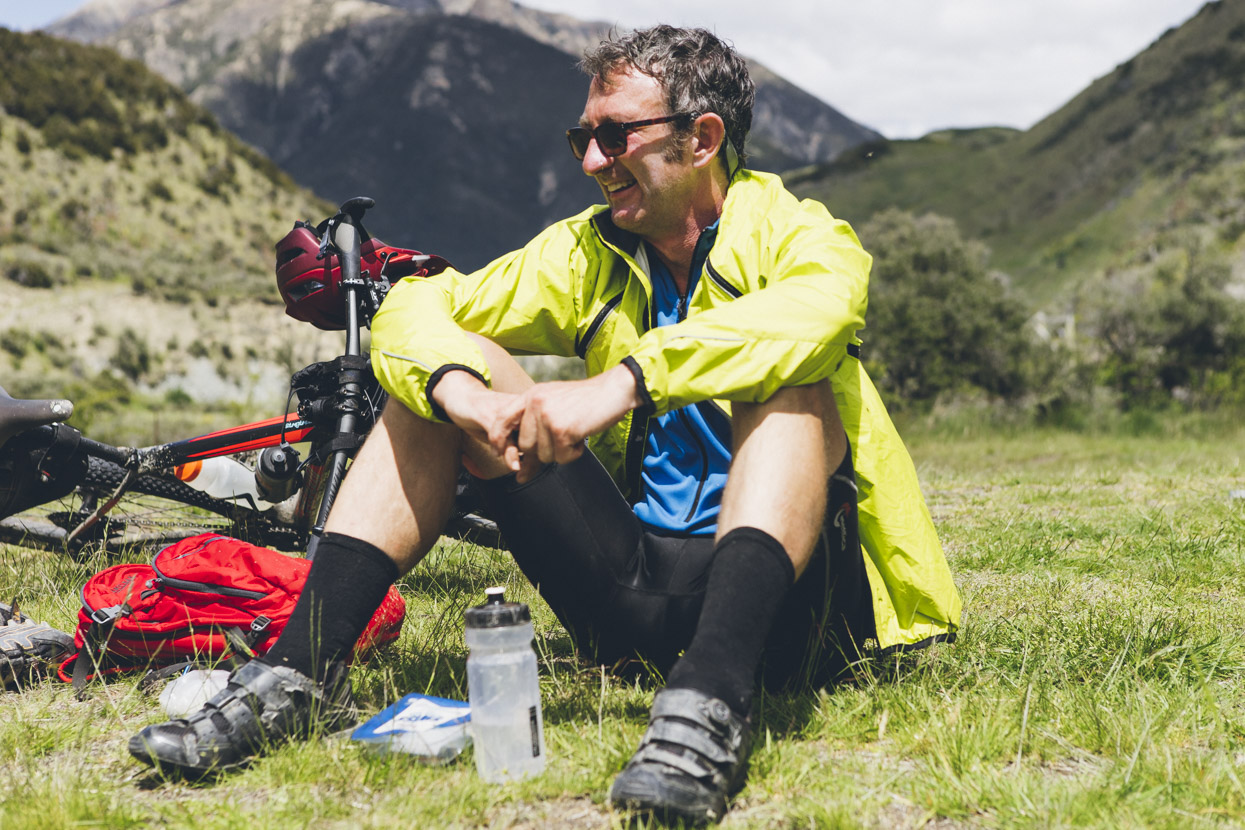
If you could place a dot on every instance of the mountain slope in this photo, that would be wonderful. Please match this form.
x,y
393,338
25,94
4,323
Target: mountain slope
x,y
135,234
1155,146
453,120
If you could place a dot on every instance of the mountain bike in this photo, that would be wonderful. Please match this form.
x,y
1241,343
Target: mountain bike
x,y
60,490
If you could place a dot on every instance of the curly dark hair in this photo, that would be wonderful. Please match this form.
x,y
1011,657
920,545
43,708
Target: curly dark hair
x,y
698,72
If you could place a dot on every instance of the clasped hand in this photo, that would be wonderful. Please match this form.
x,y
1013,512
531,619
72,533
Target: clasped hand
x,y
547,423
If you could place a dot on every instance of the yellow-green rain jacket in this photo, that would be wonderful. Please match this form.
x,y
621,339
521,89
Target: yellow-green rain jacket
x,y
781,296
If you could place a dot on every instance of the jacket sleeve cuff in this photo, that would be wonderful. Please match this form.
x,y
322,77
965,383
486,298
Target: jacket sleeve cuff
x,y
435,378
646,406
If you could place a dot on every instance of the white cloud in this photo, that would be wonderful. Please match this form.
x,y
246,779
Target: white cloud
x,y
906,67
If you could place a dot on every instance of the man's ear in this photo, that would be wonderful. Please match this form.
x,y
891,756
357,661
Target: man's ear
x,y
708,138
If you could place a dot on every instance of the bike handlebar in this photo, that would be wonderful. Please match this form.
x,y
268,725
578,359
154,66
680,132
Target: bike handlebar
x,y
18,416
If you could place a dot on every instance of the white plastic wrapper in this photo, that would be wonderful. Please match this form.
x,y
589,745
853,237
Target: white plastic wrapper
x,y
432,728
186,693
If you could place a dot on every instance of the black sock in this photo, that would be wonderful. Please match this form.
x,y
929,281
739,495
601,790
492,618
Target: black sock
x,y
347,583
748,580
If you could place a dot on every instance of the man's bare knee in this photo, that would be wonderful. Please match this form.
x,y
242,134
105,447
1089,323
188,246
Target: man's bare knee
x,y
815,399
507,374
399,491
785,449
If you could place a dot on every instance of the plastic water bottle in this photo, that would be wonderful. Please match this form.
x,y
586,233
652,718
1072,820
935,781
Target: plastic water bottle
x,y
187,692
504,690
223,478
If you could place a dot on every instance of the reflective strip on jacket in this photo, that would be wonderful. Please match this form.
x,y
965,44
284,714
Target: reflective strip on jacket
x,y
780,299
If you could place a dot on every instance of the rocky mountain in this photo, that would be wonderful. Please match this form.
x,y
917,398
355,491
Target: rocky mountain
x,y
1148,161
449,113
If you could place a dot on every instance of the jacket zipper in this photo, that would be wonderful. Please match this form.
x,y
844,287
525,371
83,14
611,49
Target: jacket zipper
x,y
582,348
637,434
721,280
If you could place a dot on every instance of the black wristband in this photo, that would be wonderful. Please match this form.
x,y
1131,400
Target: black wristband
x,y
436,378
646,406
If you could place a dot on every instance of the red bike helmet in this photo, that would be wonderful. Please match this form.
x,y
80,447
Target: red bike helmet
x,y
311,286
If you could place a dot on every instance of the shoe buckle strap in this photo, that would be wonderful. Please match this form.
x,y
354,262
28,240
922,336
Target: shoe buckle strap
x,y
654,754
708,712
711,747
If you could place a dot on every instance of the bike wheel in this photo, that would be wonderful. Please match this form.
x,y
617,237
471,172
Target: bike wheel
x,y
156,510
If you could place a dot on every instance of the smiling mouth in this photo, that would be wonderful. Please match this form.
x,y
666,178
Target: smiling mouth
x,y
615,187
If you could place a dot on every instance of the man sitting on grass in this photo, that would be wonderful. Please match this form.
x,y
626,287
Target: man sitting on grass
x,y
711,528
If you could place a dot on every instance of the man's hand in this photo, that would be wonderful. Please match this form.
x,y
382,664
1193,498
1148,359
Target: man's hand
x,y
554,419
480,412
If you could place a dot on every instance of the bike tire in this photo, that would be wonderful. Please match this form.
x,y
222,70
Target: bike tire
x,y
156,510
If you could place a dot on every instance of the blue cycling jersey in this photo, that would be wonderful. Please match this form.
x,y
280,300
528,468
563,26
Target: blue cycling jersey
x,y
688,451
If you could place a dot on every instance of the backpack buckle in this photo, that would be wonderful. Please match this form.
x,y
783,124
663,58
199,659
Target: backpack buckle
x,y
260,624
104,616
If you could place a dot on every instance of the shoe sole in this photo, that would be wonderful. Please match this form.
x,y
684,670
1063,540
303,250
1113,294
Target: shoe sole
x,y
171,769
642,805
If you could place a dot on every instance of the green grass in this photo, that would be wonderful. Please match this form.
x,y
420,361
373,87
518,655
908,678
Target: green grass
x,y
1099,679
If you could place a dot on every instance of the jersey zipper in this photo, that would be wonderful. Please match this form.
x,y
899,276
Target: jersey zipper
x,y
704,464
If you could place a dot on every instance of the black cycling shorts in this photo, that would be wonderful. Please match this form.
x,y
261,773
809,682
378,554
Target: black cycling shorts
x,y
623,591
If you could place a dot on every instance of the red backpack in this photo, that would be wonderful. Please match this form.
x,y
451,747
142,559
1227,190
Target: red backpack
x,y
208,599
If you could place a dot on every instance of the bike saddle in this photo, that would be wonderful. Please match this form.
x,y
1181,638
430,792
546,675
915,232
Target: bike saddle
x,y
17,416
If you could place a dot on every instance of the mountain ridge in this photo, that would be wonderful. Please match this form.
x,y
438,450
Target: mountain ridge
x,y
244,74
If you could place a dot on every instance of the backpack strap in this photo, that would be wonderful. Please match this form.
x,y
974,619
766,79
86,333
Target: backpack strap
x,y
94,642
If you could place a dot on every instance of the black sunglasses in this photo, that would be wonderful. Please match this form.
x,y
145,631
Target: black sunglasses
x,y
612,136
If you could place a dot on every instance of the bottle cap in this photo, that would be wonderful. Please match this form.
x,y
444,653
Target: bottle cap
x,y
496,612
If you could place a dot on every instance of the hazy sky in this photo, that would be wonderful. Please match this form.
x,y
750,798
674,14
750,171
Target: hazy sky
x,y
903,67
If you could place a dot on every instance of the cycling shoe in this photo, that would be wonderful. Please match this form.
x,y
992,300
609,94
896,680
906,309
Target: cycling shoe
x,y
261,707
692,759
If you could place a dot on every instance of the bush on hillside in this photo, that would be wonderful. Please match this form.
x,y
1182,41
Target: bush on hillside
x,y
88,100
33,273
1176,334
938,322
133,357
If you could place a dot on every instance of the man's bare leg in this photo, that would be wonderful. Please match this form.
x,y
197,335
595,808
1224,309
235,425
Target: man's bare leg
x,y
400,492
388,514
785,451
695,751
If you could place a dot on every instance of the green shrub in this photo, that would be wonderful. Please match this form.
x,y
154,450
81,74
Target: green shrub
x,y
133,357
177,397
220,179
157,189
17,342
1173,334
937,320
32,274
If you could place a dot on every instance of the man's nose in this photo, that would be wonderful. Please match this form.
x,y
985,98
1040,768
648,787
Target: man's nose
x,y
594,160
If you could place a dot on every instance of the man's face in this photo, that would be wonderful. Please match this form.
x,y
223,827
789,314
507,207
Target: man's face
x,y
648,193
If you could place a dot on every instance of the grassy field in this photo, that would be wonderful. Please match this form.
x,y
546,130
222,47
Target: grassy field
x,y
1099,679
